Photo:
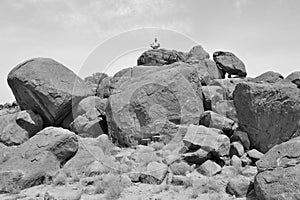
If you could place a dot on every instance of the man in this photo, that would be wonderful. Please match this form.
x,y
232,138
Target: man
x,y
155,45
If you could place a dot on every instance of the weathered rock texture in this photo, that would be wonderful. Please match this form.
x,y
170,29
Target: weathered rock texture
x,y
147,105
37,160
278,175
46,87
18,127
270,114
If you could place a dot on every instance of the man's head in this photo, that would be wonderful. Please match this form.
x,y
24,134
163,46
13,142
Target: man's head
x,y
155,39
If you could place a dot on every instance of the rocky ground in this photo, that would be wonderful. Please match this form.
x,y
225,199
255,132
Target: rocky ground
x,y
179,125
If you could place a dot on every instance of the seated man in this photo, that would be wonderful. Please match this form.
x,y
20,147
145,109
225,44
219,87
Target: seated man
x,y
155,45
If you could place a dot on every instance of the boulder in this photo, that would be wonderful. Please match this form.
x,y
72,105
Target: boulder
x,y
209,168
213,120
269,76
89,117
236,162
154,174
89,150
18,127
161,57
209,139
46,87
241,137
207,70
109,85
228,85
230,63
279,172
254,155
198,53
37,160
239,186
94,81
154,104
225,108
236,148
212,95
197,157
270,114
293,78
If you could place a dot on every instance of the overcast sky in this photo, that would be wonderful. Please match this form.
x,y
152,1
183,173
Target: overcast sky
x,y
265,34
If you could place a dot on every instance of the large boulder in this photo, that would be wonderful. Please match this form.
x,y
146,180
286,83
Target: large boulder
x,y
146,105
18,127
230,63
278,175
293,78
37,160
270,114
46,87
269,76
161,57
197,53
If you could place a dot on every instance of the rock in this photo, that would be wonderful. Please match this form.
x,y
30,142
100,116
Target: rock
x,y
236,148
293,76
229,171
270,77
268,113
155,174
154,104
279,172
236,162
241,137
47,88
228,85
209,139
160,57
226,108
89,150
94,81
37,160
198,53
181,180
63,193
209,168
18,127
249,171
208,70
109,85
212,95
254,155
239,186
89,117
197,157
229,63
211,119
246,160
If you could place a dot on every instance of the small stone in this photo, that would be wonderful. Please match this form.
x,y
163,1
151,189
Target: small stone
x,y
239,186
242,137
255,155
209,168
236,148
236,162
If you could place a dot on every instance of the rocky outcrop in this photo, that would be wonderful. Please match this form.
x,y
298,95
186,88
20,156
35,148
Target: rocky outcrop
x,y
161,57
18,127
279,172
268,113
230,63
46,87
269,77
148,105
37,160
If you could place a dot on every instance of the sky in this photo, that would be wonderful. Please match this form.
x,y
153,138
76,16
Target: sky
x,y
91,36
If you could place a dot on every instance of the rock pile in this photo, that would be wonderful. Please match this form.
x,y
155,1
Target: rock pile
x,y
173,123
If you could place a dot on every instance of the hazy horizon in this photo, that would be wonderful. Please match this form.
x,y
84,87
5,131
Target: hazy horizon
x,y
263,34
